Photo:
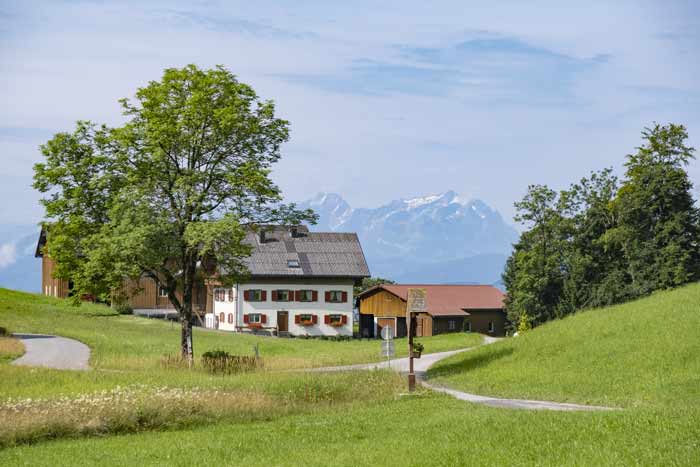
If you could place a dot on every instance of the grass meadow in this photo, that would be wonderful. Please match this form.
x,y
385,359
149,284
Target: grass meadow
x,y
641,357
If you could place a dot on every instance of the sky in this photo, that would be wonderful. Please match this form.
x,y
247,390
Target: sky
x,y
386,100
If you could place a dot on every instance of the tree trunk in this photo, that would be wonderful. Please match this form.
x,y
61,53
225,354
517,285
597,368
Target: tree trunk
x,y
186,313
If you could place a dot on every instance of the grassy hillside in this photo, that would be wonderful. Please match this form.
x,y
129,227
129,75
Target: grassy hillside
x,y
639,354
130,342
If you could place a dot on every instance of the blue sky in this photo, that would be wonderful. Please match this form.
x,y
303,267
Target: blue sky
x,y
386,99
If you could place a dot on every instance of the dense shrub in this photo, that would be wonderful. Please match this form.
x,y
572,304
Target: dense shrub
x,y
221,362
124,309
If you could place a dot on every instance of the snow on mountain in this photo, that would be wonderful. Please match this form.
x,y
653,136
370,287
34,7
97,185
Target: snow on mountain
x,y
407,236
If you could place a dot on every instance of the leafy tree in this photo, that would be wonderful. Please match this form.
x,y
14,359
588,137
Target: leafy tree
x,y
594,270
369,282
174,189
601,242
533,276
659,225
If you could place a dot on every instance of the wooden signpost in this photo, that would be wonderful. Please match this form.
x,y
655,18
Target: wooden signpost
x,y
416,303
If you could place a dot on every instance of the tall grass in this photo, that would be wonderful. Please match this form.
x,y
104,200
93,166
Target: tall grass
x,y
141,407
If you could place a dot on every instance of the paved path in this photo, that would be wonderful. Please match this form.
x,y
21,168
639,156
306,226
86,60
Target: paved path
x,y
53,352
422,365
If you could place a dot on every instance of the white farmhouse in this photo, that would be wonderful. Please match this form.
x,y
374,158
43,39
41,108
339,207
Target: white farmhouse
x,y
300,283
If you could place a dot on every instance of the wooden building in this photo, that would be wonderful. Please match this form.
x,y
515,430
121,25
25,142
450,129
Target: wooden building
x,y
450,308
299,283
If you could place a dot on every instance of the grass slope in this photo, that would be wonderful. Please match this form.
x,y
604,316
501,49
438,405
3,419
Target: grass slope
x,y
130,342
639,354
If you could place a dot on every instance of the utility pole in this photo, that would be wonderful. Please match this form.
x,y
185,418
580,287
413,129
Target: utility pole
x,y
415,303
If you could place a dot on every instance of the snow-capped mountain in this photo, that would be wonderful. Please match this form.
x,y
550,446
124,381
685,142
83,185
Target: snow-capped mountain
x,y
435,238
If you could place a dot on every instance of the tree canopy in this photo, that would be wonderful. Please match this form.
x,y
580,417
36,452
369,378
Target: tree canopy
x,y
604,241
176,187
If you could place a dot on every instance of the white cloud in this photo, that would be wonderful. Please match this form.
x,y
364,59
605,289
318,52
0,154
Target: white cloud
x,y
8,255
62,62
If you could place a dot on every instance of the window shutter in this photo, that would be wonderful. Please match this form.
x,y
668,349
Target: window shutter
x,y
263,295
327,318
230,318
344,319
297,319
344,297
314,296
263,319
327,297
246,295
297,295
314,319
274,295
245,319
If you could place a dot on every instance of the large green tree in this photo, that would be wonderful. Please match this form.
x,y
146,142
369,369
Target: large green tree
x,y
533,276
601,241
177,186
659,224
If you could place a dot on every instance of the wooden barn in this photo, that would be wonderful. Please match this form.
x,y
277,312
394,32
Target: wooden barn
x,y
451,308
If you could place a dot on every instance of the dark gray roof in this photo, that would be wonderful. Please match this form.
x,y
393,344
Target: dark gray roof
x,y
319,254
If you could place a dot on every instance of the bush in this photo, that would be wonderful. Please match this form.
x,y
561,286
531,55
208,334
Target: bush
x,y
3,332
221,362
124,309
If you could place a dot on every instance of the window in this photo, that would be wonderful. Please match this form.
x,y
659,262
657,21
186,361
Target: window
x,y
281,295
162,291
293,263
220,295
255,295
254,318
491,328
468,326
451,325
221,317
306,295
335,319
336,296
305,319
230,318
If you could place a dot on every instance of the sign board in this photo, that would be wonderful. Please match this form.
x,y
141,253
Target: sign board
x,y
388,349
387,333
416,302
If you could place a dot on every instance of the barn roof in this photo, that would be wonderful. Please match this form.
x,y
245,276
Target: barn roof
x,y
449,300
285,251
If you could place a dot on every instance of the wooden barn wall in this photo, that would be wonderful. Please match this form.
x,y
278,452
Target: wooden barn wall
x,y
143,294
382,304
441,324
49,284
480,321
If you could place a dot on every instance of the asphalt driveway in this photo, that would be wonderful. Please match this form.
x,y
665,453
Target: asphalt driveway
x,y
53,352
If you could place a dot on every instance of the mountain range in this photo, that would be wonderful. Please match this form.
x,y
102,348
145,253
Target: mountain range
x,y
440,238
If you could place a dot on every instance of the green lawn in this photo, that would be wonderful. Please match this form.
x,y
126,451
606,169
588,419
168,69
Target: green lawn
x,y
416,431
130,342
642,357
639,354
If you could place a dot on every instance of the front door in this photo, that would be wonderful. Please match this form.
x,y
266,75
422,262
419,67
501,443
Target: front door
x,y
282,321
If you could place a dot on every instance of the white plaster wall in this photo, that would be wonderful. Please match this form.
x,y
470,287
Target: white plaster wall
x,y
227,308
319,308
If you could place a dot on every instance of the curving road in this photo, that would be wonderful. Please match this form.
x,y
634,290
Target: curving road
x,y
53,352
422,365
